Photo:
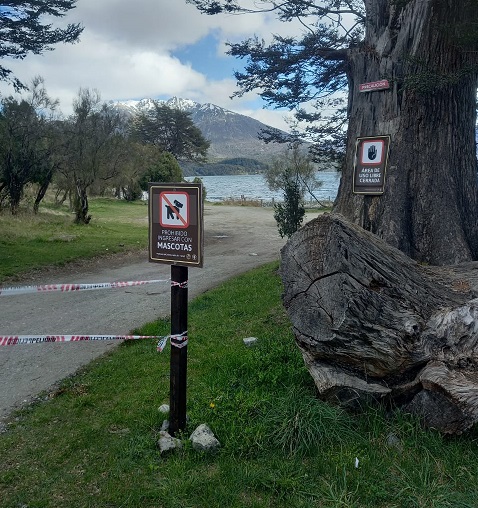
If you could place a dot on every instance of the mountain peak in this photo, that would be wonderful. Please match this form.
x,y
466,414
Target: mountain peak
x,y
231,134
182,104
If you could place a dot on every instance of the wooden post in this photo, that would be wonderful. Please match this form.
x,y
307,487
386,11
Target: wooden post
x,y
179,355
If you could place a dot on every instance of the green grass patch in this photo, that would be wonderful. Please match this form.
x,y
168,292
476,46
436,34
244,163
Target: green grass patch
x,y
50,238
93,442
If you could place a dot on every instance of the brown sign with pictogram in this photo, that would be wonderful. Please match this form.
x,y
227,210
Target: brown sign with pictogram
x,y
176,223
370,165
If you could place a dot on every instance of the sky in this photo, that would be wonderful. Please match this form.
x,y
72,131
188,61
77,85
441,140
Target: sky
x,y
131,50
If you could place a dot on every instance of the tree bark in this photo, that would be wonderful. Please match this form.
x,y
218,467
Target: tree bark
x,y
429,207
374,325
43,187
81,203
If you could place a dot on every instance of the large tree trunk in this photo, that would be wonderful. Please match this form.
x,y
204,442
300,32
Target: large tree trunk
x,y
372,324
429,207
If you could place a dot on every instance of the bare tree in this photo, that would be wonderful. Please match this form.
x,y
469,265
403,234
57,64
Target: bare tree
x,y
94,136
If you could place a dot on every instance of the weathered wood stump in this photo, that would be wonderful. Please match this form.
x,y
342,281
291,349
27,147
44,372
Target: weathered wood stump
x,y
372,324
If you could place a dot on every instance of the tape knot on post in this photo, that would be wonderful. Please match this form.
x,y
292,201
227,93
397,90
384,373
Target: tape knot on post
x,y
182,285
177,340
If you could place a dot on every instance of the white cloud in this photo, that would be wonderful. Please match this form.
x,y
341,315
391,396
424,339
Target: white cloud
x,y
274,118
125,52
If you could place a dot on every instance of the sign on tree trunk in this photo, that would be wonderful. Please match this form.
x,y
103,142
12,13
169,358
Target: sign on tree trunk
x,y
371,156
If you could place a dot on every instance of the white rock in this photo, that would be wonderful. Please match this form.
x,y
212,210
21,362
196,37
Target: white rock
x,y
203,439
164,408
167,443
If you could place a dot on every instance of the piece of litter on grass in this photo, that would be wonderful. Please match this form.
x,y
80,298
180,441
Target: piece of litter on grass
x,y
249,341
252,254
356,463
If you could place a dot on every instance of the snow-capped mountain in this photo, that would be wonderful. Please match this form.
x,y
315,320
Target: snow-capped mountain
x,y
231,134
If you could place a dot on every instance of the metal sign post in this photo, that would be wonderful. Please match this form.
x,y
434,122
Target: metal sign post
x,y
176,237
179,349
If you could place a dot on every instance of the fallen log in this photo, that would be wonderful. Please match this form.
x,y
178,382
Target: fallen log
x,y
373,325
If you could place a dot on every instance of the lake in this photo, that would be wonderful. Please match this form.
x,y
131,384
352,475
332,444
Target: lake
x,y
254,187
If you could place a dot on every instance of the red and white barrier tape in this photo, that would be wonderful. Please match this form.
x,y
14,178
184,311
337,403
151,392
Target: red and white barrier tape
x,y
182,285
74,287
14,340
180,340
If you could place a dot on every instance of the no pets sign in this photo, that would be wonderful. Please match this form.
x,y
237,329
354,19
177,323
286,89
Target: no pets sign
x,y
176,224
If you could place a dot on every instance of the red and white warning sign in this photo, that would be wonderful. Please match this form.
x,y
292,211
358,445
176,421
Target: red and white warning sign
x,y
176,223
174,209
370,165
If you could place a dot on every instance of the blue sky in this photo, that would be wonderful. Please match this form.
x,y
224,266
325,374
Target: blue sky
x,y
203,56
151,49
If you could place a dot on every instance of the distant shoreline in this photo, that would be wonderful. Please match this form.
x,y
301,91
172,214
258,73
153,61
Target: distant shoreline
x,y
240,189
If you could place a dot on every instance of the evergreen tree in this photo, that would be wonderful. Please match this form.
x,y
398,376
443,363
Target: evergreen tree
x,y
294,175
173,131
24,29
428,52
164,168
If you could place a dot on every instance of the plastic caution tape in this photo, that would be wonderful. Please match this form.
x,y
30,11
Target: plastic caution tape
x,y
180,340
14,340
74,287
181,285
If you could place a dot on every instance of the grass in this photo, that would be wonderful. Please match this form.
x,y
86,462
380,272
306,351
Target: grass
x,y
51,238
92,443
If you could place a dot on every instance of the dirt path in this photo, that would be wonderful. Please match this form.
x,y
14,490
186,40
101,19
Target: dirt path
x,y
236,240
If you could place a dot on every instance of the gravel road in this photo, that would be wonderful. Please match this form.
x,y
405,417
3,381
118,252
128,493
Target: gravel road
x,y
237,239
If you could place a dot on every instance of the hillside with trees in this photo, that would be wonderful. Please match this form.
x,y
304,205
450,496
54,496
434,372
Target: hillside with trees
x,y
235,166
94,151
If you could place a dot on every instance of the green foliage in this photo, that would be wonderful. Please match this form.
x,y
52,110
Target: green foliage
x,y
293,70
290,214
204,191
94,152
23,30
294,174
313,68
28,139
428,80
164,169
172,130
